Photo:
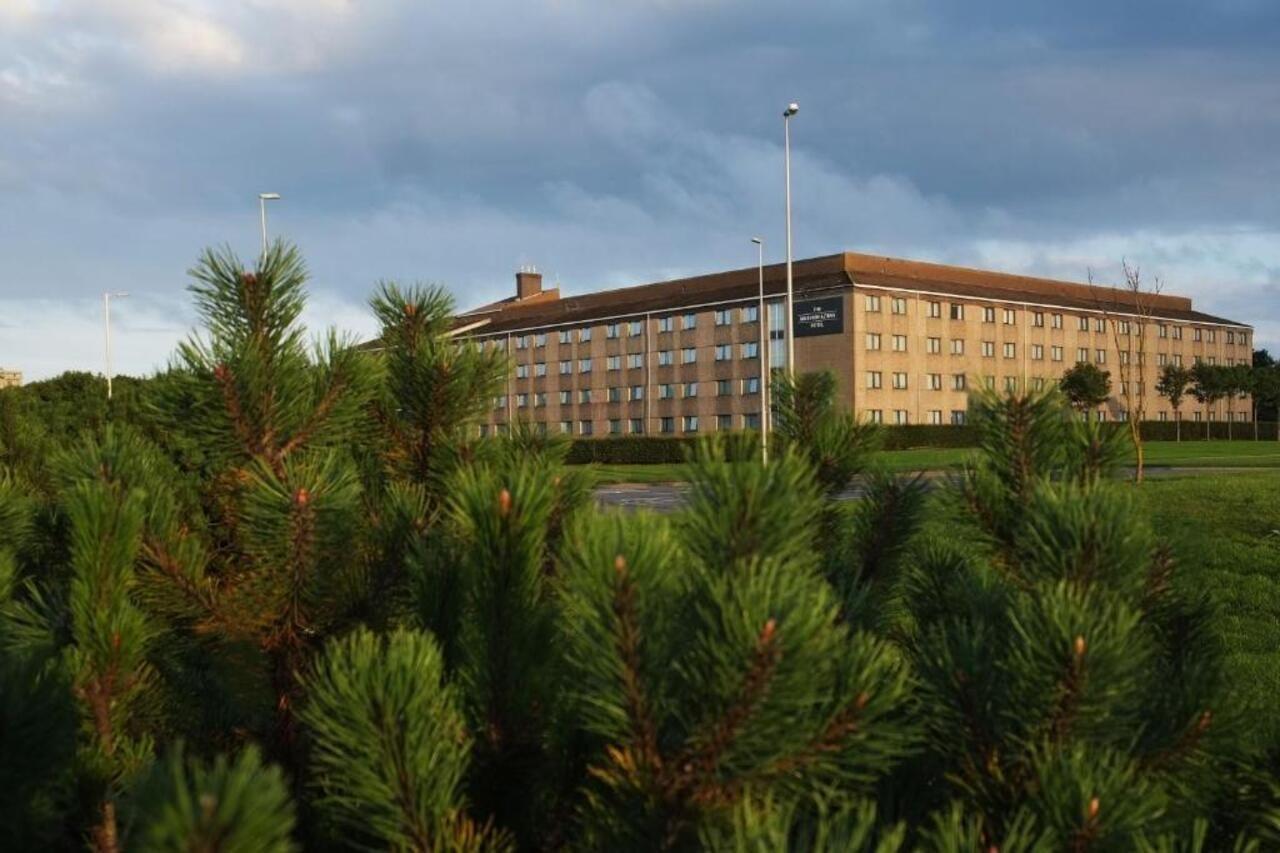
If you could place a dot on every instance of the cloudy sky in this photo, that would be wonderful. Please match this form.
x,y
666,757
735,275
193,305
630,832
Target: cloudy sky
x,y
620,142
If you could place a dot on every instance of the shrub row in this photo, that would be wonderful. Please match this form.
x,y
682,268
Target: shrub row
x,y
657,449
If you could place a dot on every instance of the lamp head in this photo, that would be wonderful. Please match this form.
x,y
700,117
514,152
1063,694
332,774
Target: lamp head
x,y
758,241
269,196
791,110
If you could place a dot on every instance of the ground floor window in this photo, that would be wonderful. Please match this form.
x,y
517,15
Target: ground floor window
x,y
637,426
690,423
666,424
957,417
724,422
751,420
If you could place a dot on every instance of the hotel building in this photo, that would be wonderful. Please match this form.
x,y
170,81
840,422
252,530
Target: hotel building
x,y
906,341
10,378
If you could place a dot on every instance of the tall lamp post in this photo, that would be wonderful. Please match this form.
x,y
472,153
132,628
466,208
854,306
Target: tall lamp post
x,y
764,356
263,198
106,319
791,110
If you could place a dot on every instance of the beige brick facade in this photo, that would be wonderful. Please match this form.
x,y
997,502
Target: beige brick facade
x,y
684,357
10,378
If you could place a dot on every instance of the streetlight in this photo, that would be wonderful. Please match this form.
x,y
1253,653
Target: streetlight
x,y
106,319
791,110
263,198
764,357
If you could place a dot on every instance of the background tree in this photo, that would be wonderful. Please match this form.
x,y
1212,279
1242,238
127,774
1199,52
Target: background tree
x,y
1172,385
1208,387
1129,335
1086,386
1266,393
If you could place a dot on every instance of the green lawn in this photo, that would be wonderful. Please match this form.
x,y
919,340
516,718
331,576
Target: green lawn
x,y
1225,533
1190,454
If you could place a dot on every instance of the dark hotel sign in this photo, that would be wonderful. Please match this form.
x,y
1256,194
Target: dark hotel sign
x,y
819,317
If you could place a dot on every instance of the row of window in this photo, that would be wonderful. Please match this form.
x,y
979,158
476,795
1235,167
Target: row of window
x,y
1009,316
635,426
663,358
934,416
619,394
934,381
635,328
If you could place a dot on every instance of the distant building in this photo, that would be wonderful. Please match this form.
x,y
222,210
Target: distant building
x,y
906,341
10,378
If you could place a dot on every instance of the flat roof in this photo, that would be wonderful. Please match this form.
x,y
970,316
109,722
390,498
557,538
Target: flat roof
x,y
813,275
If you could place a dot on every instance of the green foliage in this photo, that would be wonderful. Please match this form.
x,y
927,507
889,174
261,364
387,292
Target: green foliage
x,y
1086,385
806,418
234,806
389,746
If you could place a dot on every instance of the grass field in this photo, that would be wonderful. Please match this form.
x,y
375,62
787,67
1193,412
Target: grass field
x,y
1225,532
1189,454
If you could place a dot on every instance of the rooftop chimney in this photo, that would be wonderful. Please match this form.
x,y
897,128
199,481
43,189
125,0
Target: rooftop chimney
x,y
528,283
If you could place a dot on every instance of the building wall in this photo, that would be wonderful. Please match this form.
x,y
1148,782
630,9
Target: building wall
x,y
960,353
10,378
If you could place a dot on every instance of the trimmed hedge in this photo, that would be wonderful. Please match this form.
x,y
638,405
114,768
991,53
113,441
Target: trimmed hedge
x,y
657,449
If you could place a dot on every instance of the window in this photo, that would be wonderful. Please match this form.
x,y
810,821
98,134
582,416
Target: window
x,y
1162,331
900,381
751,349
500,401
1082,355
724,387
750,314
751,420
584,336
666,324
689,321
636,392
1100,325
615,394
522,371
1010,316
566,336
1100,356
873,340
875,416
566,427
1231,337
522,400
874,379
540,339
1213,335
584,365
484,430
584,427
957,417
635,328
989,382
934,417
957,311
724,352
1164,416
1011,383
1213,361
666,391
933,345
898,305
957,346
935,309
565,398
1177,360
1162,359
584,395
1124,327
1055,320
1177,333
873,304
1038,383
933,381
688,355
613,362
1037,319
958,382
502,345
540,368
635,360
724,316
666,357
724,423
1084,324
690,423
691,389
751,385
900,416
899,343
615,426
988,349
1124,356
566,367
611,330
988,315
1055,353
1037,352
636,426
